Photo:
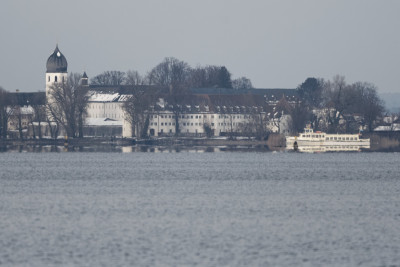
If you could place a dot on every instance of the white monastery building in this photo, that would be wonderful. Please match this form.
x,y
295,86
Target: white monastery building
x,y
234,112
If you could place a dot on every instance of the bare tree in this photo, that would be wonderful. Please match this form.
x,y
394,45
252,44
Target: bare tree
x,y
176,100
39,116
136,109
300,114
209,131
134,78
174,74
242,83
343,101
5,111
198,78
52,119
210,76
338,101
247,128
255,125
171,73
17,120
260,121
68,102
109,78
370,106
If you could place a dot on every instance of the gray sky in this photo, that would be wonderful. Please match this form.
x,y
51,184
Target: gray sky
x,y
277,44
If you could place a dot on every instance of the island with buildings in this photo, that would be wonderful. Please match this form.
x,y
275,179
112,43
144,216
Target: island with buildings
x,y
175,101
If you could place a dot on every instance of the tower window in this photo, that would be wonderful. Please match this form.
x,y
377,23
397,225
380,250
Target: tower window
x,y
55,78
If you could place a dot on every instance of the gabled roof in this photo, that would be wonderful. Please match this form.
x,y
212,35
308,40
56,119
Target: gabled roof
x,y
127,89
276,92
99,97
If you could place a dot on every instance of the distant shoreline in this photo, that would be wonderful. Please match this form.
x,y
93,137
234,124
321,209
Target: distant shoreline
x,y
126,142
379,142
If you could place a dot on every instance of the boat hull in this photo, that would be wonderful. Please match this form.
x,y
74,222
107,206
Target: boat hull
x,y
319,145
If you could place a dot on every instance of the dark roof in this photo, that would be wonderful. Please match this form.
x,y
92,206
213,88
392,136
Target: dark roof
x,y
278,93
23,99
218,103
84,75
127,89
57,62
271,94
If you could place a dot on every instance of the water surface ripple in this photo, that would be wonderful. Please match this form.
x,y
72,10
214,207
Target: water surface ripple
x,y
209,209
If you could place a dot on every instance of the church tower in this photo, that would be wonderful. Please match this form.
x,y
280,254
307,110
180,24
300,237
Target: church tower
x,y
56,70
85,79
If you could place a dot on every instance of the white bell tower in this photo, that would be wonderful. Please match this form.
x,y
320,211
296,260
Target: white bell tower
x,y
56,70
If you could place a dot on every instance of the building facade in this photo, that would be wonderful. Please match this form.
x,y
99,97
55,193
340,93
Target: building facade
x,y
225,112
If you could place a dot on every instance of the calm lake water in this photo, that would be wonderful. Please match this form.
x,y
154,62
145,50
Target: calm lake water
x,y
207,209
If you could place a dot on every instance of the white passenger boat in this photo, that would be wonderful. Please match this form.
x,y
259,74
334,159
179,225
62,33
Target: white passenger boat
x,y
310,141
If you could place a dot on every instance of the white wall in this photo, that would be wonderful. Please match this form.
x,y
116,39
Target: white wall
x,y
111,110
51,79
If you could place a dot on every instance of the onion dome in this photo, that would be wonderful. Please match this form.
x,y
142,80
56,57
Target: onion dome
x,y
57,62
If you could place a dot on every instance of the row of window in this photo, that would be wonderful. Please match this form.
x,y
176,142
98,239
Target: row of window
x,y
313,135
55,79
192,124
341,139
228,124
111,116
170,131
101,106
23,123
195,124
200,116
331,138
182,116
173,124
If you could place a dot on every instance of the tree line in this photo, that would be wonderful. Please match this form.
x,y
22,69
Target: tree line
x,y
335,106
176,73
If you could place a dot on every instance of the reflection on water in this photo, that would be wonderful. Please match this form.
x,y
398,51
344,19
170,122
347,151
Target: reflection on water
x,y
334,148
130,149
192,149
